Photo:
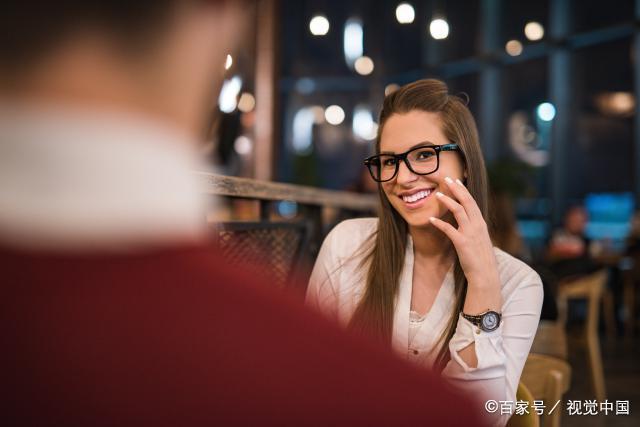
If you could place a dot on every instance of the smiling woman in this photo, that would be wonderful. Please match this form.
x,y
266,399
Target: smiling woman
x,y
425,277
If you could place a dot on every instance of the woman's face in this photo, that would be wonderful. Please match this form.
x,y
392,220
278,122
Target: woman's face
x,y
413,196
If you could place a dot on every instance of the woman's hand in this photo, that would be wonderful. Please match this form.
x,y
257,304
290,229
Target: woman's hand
x,y
471,239
475,252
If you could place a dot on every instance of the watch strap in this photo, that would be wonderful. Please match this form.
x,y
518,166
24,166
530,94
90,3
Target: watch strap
x,y
475,319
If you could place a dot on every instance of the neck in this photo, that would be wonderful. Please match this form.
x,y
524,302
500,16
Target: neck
x,y
112,181
431,245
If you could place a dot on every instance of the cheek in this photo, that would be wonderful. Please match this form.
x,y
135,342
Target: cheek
x,y
387,189
451,167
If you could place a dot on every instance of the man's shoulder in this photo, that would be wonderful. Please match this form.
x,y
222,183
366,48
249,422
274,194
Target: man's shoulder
x,y
183,313
160,271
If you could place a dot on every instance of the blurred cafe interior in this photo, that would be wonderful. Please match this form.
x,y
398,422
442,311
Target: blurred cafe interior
x,y
553,87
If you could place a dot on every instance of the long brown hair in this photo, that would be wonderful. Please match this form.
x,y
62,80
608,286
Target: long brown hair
x,y
386,247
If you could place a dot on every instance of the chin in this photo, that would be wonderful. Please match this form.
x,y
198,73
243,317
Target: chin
x,y
420,224
419,218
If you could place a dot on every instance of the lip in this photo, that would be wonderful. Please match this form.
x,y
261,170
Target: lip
x,y
418,203
417,190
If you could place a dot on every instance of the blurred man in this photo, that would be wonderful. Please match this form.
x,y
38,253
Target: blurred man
x,y
113,310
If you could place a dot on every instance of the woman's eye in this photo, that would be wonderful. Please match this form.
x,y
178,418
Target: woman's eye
x,y
425,155
389,162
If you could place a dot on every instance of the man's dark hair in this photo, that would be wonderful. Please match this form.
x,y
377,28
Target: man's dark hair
x,y
30,30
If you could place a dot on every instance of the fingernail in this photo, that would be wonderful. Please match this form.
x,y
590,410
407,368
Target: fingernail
x,y
439,194
449,180
432,218
459,182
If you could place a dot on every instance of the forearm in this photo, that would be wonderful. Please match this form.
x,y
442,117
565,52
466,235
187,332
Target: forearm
x,y
501,354
483,296
480,298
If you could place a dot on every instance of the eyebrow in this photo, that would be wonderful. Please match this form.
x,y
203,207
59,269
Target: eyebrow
x,y
419,144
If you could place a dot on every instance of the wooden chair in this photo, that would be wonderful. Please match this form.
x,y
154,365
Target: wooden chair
x,y
591,289
548,379
550,339
529,418
609,312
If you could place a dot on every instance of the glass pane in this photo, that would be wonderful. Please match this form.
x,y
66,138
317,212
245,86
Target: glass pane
x,y
594,14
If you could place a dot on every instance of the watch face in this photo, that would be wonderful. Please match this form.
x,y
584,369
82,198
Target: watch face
x,y
490,321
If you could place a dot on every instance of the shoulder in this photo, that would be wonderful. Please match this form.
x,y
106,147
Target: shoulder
x,y
338,278
356,226
514,273
349,235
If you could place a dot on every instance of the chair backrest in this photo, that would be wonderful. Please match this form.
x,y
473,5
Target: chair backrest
x,y
267,249
548,379
529,418
588,287
550,339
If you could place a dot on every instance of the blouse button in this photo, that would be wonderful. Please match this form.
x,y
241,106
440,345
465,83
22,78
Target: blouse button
x,y
415,352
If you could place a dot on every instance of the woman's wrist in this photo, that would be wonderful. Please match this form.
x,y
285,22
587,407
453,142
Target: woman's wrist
x,y
486,282
483,293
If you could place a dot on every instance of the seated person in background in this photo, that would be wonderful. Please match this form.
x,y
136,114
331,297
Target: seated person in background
x,y
114,310
568,253
425,277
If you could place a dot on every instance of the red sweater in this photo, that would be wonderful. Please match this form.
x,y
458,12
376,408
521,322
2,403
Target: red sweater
x,y
176,338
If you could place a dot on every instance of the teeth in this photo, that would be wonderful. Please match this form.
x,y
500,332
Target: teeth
x,y
415,197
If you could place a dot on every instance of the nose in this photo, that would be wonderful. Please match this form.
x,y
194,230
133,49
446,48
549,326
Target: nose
x,y
404,174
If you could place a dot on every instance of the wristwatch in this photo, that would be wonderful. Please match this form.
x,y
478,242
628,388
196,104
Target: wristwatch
x,y
487,321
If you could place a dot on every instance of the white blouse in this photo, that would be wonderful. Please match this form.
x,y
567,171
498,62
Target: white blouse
x,y
337,284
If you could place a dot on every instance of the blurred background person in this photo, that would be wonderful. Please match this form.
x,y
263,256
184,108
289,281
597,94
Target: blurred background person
x,y
569,251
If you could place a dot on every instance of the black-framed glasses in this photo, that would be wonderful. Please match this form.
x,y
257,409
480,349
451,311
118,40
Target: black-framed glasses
x,y
421,160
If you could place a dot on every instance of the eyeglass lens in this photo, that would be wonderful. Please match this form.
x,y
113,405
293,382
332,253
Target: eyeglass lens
x,y
423,160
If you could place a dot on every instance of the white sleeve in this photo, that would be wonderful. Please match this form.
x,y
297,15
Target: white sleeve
x,y
501,353
321,291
